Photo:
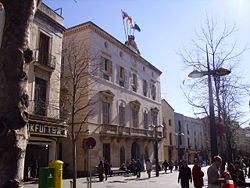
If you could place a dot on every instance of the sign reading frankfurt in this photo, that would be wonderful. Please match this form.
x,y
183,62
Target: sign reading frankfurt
x,y
41,128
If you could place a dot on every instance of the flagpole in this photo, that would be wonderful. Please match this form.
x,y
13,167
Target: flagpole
x,y
124,28
127,28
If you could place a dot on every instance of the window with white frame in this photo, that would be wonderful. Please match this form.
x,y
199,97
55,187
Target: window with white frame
x,y
153,91
145,120
105,112
154,118
106,68
121,115
134,82
135,117
121,76
145,88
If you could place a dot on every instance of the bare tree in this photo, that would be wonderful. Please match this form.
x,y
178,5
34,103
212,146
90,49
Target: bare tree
x,y
78,77
228,90
14,57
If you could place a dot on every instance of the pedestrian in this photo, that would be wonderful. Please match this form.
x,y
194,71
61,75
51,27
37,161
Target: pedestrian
x,y
228,182
197,174
138,168
171,165
176,165
213,173
100,171
165,166
239,174
35,169
148,167
185,175
132,166
106,169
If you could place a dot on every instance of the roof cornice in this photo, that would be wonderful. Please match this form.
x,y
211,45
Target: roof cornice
x,y
107,36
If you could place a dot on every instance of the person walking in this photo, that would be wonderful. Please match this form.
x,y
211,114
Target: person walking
x,y
184,175
213,173
106,169
171,166
239,175
148,167
100,171
176,164
165,166
197,174
138,168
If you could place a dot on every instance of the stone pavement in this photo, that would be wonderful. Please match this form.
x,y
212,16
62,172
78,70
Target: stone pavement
x,y
168,180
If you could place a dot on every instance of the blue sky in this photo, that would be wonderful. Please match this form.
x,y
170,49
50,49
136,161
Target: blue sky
x,y
166,26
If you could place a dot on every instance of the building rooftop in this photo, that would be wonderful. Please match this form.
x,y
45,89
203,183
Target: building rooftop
x,y
96,28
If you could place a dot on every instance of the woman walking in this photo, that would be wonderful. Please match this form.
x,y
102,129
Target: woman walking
x,y
148,167
197,174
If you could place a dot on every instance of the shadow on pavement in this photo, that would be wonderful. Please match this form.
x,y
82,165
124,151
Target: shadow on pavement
x,y
117,181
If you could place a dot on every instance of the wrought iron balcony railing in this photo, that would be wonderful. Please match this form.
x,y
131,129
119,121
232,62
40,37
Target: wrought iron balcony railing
x,y
115,130
45,60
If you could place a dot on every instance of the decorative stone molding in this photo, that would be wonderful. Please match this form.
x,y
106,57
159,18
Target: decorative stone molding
x,y
106,95
111,39
135,105
154,110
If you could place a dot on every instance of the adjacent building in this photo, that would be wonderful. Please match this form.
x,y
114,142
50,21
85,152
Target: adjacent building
x,y
193,138
45,125
170,146
125,97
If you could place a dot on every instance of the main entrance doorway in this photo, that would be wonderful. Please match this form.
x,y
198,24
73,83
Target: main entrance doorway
x,y
135,151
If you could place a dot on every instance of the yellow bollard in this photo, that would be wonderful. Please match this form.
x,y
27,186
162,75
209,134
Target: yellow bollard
x,y
58,166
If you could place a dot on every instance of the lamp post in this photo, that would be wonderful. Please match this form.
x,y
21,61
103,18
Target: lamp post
x,y
178,144
155,127
209,73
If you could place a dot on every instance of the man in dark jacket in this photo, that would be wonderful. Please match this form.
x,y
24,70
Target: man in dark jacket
x,y
239,175
197,174
106,169
101,171
138,168
185,175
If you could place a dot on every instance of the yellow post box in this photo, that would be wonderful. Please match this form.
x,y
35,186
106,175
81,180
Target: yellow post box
x,y
58,169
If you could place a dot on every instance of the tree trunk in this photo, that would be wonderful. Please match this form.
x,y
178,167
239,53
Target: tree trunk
x,y
14,54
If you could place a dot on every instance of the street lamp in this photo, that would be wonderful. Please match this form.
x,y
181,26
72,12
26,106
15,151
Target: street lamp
x,y
178,145
209,72
155,127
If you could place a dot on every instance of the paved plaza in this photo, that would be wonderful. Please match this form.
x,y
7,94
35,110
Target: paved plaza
x,y
168,180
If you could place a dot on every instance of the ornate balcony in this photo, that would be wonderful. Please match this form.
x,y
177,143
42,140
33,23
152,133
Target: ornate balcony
x,y
46,62
121,131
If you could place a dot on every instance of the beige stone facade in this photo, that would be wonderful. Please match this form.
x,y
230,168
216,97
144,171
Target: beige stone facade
x,y
127,100
170,146
194,138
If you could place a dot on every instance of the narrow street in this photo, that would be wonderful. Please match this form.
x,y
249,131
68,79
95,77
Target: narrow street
x,y
168,180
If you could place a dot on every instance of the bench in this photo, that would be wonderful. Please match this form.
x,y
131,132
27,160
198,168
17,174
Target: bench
x,y
117,171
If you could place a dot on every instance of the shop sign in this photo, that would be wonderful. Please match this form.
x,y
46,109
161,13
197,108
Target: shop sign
x,y
43,128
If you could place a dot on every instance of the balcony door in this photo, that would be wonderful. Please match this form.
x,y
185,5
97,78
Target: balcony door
x,y
44,49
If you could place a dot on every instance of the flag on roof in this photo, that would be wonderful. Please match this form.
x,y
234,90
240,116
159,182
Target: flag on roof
x,y
124,15
128,18
136,27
